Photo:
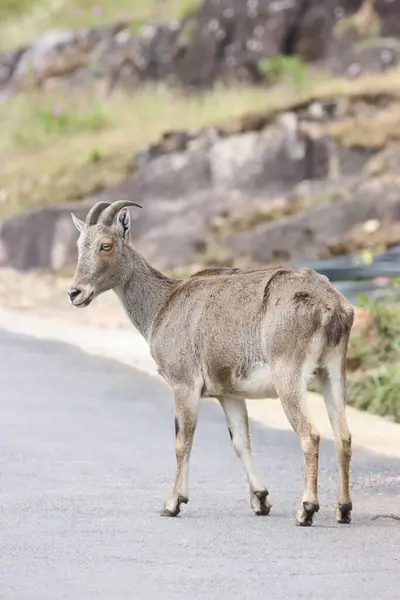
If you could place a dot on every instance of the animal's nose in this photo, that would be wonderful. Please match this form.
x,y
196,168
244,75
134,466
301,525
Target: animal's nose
x,y
73,293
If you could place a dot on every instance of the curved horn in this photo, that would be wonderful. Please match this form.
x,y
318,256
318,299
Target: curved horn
x,y
95,212
107,217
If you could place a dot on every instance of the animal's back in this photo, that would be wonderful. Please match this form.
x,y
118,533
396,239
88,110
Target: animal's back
x,y
246,296
224,324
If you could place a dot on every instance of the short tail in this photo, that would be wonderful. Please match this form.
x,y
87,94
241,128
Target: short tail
x,y
338,325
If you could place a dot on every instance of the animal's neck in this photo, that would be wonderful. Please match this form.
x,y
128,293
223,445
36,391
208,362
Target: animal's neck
x,y
144,292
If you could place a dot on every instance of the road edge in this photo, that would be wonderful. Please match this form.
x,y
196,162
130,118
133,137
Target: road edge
x,y
127,346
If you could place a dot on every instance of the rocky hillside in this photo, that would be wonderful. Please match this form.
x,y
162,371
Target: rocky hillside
x,y
223,40
315,178
286,186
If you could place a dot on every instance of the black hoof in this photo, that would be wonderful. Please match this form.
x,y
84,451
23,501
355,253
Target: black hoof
x,y
343,513
305,516
264,506
166,512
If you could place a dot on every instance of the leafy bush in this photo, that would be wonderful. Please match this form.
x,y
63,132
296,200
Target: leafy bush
x,y
378,393
386,312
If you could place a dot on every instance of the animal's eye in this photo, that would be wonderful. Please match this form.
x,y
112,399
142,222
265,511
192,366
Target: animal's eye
x,y
106,246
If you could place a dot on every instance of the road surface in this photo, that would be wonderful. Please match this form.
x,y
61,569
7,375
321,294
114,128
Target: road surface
x,y
87,458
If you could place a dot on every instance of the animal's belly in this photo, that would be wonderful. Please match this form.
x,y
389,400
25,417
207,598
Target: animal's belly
x,y
257,384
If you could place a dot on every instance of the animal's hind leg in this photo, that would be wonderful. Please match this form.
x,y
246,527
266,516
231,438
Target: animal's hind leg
x,y
292,392
238,426
332,377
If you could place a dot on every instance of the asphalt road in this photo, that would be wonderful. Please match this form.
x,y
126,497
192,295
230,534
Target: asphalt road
x,y
86,451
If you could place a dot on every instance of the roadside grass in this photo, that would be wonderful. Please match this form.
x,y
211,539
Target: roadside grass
x,y
385,312
375,387
21,21
378,393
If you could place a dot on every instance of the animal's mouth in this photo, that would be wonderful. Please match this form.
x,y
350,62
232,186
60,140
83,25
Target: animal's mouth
x,y
85,302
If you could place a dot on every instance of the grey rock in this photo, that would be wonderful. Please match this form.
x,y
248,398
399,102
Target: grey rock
x,y
45,49
303,236
352,59
174,174
29,240
8,62
221,41
169,231
184,183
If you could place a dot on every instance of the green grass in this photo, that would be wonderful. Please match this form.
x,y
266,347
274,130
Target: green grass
x,y
38,122
378,393
12,8
285,68
376,387
21,21
386,314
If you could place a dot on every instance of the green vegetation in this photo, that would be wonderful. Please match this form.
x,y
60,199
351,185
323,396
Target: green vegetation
x,y
11,8
378,393
285,68
38,122
376,384
386,315
373,366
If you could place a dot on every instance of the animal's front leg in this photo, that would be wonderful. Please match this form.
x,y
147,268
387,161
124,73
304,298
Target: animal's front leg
x,y
186,412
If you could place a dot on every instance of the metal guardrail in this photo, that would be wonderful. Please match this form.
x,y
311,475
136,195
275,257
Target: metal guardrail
x,y
360,273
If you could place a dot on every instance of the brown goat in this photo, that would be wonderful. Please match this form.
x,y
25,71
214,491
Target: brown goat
x,y
230,334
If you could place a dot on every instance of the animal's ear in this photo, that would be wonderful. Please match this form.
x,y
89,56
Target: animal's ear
x,y
78,223
124,223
